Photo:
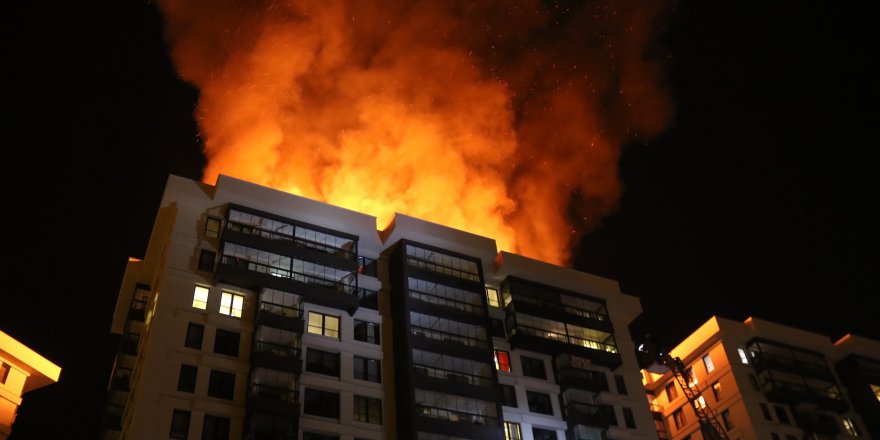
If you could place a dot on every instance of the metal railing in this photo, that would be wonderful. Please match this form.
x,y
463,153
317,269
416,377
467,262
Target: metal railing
x,y
556,336
272,392
558,307
281,310
456,416
276,349
443,269
457,376
339,285
440,335
444,301
272,235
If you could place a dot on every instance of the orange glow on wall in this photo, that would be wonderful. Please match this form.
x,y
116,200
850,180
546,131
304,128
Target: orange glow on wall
x,y
487,117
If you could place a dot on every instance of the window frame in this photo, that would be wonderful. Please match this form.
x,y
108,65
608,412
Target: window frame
x,y
629,419
489,296
364,363
534,398
231,309
725,418
228,336
320,365
323,327
368,328
543,432
209,231
717,390
367,416
708,363
671,396
207,260
502,361
529,364
187,378
218,386
512,431
198,302
505,398
218,422
323,399
620,384
191,337
678,418
180,432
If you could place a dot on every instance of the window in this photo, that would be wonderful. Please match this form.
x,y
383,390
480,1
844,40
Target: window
x,y
766,412
692,378
701,402
678,418
179,424
774,436
4,372
212,227
502,361
215,428
367,410
671,392
221,385
850,426
226,342
620,383
321,324
725,417
742,356
707,361
539,403
322,362
200,298
492,298
186,382
716,391
628,418
321,403
781,415
498,328
194,333
512,431
612,416
366,331
533,367
367,369
206,260
508,396
543,434
754,381
231,304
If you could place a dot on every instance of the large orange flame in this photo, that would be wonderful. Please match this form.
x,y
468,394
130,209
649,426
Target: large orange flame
x,y
483,116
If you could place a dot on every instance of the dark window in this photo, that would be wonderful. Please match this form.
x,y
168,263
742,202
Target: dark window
x,y
179,424
628,418
206,260
221,384
621,385
321,403
508,396
322,362
678,418
498,328
716,391
186,382
367,369
766,412
754,381
539,403
774,436
215,428
533,367
212,227
226,342
367,410
543,434
502,361
781,415
366,331
313,436
671,392
612,416
4,372
194,333
725,417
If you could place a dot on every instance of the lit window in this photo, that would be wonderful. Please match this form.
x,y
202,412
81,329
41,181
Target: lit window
x,y
200,298
512,431
502,361
876,390
492,297
321,324
692,378
701,402
850,427
707,361
716,390
231,304
742,356
212,227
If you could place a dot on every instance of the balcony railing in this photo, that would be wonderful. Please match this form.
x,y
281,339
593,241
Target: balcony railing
x,y
444,301
272,235
456,416
573,340
440,268
440,335
276,349
592,380
280,310
557,307
348,286
764,360
277,393
587,414
827,393
457,376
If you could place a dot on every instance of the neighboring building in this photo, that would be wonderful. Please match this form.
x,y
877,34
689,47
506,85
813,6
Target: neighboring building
x,y
418,331
21,370
763,380
857,362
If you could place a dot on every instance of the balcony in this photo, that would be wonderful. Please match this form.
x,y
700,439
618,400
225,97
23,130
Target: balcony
x,y
439,305
578,413
439,341
560,312
137,310
803,367
279,316
276,356
792,393
571,377
121,379
273,400
457,423
369,299
556,343
455,382
813,423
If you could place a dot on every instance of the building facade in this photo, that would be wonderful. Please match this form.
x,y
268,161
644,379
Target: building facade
x,y
762,380
21,370
857,364
258,314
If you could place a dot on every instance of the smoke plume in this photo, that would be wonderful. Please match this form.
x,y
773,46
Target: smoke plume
x,y
483,116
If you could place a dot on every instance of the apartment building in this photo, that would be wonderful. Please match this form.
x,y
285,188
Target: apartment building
x,y
762,381
21,370
259,314
857,364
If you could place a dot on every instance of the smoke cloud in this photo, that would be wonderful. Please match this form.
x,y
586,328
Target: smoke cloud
x,y
483,116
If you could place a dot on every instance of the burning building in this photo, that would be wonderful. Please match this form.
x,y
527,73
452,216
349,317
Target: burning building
x,y
259,314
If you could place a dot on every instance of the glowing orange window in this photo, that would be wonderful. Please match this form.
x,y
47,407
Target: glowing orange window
x,y
502,361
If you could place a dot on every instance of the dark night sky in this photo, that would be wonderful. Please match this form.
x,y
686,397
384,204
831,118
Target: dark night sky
x,y
756,202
